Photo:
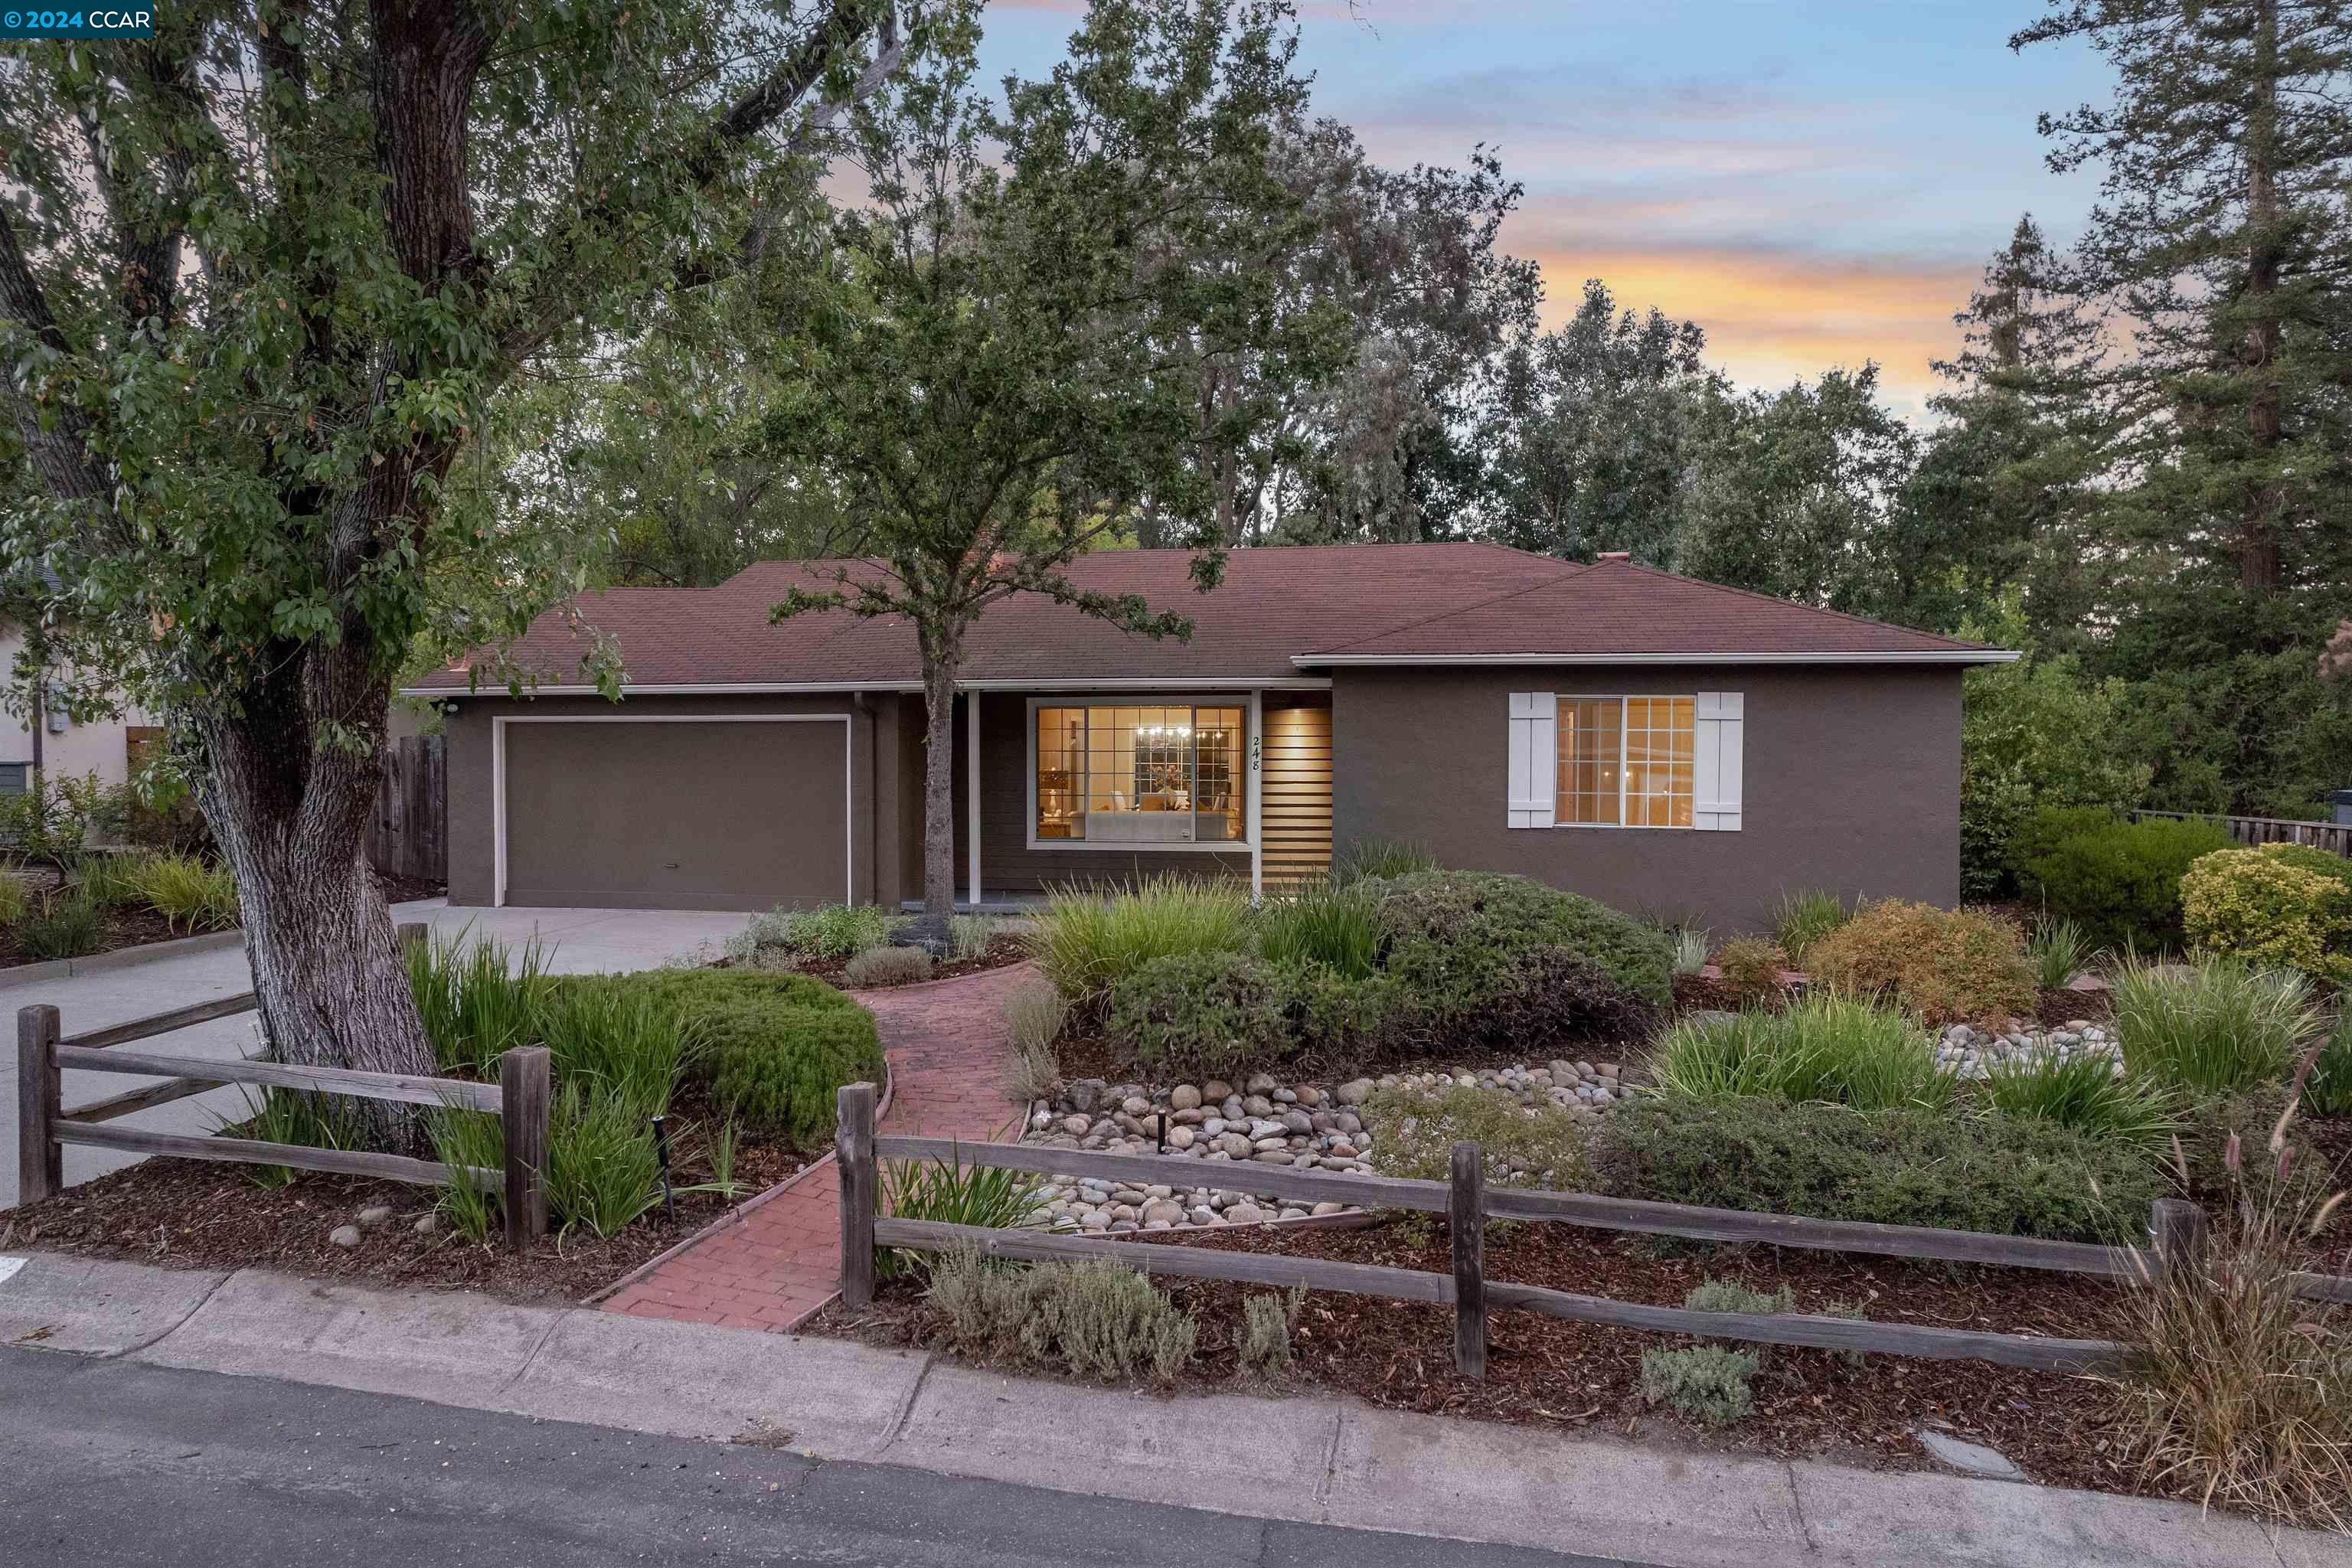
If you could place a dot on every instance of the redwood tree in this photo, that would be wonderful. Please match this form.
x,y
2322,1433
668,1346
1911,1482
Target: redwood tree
x,y
259,278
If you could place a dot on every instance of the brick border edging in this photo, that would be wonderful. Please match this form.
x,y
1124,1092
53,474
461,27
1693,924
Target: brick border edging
x,y
735,1215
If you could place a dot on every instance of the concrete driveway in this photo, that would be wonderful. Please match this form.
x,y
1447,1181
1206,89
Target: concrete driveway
x,y
578,942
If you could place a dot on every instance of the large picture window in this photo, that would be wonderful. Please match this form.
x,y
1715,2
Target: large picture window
x,y
1119,774
1626,762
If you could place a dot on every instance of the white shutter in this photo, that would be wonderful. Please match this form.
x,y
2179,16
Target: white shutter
x,y
1534,775
1716,748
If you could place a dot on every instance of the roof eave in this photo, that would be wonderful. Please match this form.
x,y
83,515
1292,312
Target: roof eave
x,y
1912,656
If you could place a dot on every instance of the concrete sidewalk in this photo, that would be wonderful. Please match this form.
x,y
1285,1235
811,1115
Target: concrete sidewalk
x,y
1312,1459
579,941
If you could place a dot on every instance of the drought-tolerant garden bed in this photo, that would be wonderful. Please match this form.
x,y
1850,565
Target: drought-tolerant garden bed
x,y
862,946
1920,1076
732,1072
110,900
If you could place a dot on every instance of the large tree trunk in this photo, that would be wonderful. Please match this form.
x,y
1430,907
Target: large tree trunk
x,y
290,814
2258,539
938,779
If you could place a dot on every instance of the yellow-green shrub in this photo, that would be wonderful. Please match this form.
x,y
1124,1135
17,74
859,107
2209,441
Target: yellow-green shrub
x,y
1941,964
2272,907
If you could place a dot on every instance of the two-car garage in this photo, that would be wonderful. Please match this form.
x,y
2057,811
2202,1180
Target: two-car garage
x,y
745,812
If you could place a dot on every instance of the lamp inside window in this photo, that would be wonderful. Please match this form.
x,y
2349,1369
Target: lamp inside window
x,y
1140,774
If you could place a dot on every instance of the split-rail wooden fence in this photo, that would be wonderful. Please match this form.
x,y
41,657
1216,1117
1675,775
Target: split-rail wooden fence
x,y
2177,1236
44,1125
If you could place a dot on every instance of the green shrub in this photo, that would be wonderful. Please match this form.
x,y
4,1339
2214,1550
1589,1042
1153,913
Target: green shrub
x,y
1941,964
113,879
887,966
1215,1014
1455,938
1751,968
2059,949
1805,917
774,1047
2328,1087
2003,1175
2083,1091
189,894
2214,1026
1267,1323
63,925
1556,998
951,1192
2121,881
1706,1384
2283,906
1331,923
1823,1048
15,899
1383,857
1096,1318
968,937
1087,940
50,824
603,1169
630,1043
839,930
1713,1295
1416,1130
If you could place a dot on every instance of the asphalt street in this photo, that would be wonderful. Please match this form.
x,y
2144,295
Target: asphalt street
x,y
112,1462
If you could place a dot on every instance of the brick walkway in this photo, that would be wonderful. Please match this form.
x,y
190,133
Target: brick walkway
x,y
946,1045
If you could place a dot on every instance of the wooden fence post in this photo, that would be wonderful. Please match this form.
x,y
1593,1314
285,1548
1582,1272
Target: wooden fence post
x,y
853,1147
524,1081
1468,1213
2179,1232
40,1159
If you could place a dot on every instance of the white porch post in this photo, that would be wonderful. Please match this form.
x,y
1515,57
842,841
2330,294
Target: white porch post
x,y
972,789
1254,812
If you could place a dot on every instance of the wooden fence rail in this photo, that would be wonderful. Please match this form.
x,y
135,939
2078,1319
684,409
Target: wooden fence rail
x,y
44,1126
1468,1202
2332,836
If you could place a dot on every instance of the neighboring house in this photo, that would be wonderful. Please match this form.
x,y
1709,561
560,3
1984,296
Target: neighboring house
x,y
1664,744
111,748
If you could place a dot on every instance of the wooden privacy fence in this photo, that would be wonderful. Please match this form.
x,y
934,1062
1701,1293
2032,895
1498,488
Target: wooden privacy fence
x,y
44,1126
408,830
2334,837
2177,1230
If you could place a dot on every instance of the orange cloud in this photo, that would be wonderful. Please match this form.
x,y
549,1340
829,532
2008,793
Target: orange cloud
x,y
1773,315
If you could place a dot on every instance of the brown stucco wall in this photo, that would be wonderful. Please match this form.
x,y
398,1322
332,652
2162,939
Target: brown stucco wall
x,y
876,759
1852,782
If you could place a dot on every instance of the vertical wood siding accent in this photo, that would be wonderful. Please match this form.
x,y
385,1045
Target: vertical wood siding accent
x,y
1296,779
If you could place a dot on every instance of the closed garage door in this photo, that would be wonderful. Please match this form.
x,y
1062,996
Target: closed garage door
x,y
699,814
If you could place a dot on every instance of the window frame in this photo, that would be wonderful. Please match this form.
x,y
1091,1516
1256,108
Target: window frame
x,y
1625,712
1245,781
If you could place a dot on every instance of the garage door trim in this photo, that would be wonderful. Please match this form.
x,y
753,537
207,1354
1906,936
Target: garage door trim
x,y
498,775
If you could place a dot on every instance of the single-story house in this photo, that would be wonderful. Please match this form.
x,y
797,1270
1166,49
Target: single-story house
x,y
1665,744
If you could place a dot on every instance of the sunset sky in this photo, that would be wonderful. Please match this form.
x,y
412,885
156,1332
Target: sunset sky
x,y
1815,182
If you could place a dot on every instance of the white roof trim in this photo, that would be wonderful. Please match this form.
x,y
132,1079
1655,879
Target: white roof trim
x,y
1927,655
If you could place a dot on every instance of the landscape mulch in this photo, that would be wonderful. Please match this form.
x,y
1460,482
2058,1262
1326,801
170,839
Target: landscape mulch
x,y
197,1214
123,927
1545,1372
1002,952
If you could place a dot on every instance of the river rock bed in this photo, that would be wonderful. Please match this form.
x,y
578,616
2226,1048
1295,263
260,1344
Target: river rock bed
x,y
1261,1122
1968,1050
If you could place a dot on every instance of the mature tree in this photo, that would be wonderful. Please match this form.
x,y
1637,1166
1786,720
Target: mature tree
x,y
1791,495
2004,494
1002,356
1600,430
259,277
2220,233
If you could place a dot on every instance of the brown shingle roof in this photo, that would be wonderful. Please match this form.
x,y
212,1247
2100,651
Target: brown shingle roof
x,y
1280,611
